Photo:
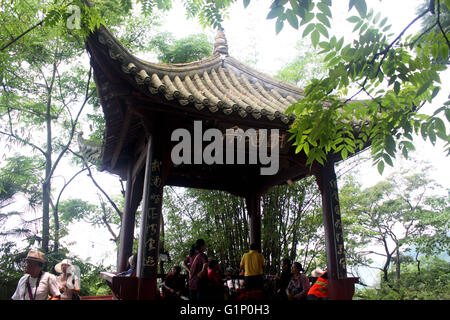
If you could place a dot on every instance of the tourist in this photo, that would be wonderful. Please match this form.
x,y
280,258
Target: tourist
x,y
68,281
36,284
298,287
174,284
252,265
198,272
283,280
319,290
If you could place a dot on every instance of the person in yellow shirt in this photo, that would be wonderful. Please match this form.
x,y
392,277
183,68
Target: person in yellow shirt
x,y
252,266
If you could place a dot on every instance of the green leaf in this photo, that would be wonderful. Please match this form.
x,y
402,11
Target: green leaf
x,y
315,36
279,25
344,153
325,9
295,6
364,27
390,145
246,3
361,6
444,51
432,134
351,3
323,18
310,27
383,22
292,18
275,12
322,29
308,17
435,50
358,25
339,44
440,127
423,88
435,92
397,87
423,131
306,148
388,159
353,19
380,167
377,18
405,153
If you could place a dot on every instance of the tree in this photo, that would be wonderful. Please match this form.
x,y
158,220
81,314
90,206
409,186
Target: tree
x,y
397,215
188,49
47,86
432,283
393,74
307,65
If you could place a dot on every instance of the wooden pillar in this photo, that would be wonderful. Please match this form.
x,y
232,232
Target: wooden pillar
x,y
334,240
147,264
253,203
133,195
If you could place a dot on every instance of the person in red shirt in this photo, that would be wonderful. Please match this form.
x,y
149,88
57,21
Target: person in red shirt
x,y
216,283
174,284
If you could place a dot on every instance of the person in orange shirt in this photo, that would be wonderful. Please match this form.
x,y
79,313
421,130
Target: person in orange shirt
x,y
252,266
319,290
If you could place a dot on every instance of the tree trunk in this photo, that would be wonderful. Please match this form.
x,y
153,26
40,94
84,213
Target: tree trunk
x,y
46,186
397,267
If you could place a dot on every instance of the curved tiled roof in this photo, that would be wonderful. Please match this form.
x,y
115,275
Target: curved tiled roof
x,y
219,83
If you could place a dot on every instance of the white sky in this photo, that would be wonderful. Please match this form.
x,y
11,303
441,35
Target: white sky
x,y
272,52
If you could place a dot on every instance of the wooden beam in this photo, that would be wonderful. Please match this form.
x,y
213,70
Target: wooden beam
x,y
253,203
334,240
140,162
133,197
148,254
123,135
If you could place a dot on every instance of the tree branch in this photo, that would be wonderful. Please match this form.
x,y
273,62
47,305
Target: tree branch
x,y
113,204
21,35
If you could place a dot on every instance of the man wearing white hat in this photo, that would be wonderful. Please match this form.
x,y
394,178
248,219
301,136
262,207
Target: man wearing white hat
x,y
36,284
69,283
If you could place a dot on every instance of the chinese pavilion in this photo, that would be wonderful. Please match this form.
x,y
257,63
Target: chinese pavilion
x,y
144,103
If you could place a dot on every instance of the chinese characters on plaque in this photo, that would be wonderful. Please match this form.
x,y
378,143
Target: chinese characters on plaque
x,y
153,218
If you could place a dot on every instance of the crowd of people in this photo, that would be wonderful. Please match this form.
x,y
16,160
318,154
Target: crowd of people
x,y
202,281
205,282
38,284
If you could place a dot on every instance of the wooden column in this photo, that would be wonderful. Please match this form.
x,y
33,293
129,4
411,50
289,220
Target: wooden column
x,y
147,267
133,195
334,240
253,203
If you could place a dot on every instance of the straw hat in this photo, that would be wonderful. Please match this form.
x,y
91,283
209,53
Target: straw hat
x,y
36,255
59,265
317,272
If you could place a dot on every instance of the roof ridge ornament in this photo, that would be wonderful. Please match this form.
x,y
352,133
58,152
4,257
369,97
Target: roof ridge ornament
x,y
220,43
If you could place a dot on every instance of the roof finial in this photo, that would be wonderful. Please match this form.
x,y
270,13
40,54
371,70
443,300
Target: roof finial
x,y
220,43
